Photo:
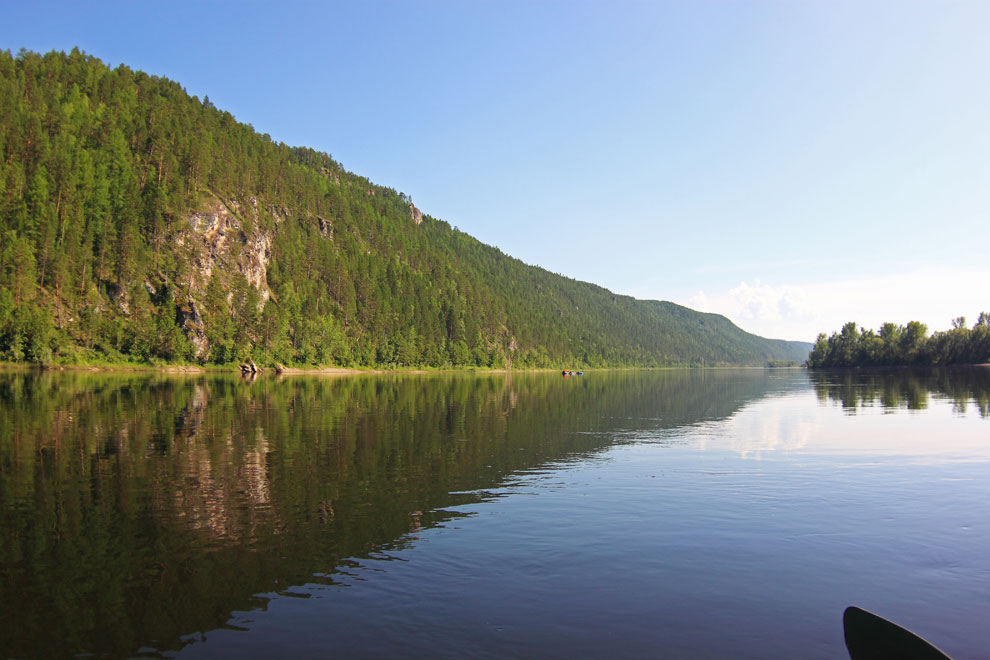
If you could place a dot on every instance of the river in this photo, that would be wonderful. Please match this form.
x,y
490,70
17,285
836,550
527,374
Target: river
x,y
673,513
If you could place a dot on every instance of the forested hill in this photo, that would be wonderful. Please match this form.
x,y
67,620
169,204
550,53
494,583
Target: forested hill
x,y
138,222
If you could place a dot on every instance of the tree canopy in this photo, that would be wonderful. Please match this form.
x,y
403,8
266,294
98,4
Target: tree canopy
x,y
896,345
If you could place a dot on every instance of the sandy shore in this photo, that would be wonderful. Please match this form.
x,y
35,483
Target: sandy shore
x,y
320,371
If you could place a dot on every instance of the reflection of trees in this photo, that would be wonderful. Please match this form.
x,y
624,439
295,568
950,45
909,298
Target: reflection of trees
x,y
905,388
140,508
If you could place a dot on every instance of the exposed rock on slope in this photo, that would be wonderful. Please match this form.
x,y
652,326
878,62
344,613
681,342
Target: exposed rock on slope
x,y
224,237
219,239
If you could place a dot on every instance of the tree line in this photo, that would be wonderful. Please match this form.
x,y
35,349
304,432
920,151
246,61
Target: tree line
x,y
896,345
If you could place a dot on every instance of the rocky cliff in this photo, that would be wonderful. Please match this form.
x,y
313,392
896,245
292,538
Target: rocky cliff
x,y
225,238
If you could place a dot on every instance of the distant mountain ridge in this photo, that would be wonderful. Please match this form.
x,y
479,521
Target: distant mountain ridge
x,y
140,223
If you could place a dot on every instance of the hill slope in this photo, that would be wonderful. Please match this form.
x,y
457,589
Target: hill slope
x,y
138,222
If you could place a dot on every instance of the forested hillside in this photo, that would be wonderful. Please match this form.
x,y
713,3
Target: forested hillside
x,y
140,223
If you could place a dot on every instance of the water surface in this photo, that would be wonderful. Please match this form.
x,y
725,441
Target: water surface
x,y
666,514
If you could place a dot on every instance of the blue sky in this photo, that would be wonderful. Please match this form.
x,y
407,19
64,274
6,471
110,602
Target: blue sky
x,y
792,165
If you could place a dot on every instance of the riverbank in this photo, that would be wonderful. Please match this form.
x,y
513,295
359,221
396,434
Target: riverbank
x,y
262,371
129,367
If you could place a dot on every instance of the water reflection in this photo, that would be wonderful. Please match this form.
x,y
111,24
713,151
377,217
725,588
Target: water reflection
x,y
139,509
910,389
881,416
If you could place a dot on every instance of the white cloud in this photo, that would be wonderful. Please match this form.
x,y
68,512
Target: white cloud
x,y
792,311
699,301
765,303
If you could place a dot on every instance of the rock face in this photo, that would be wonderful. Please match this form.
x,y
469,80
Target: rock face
x,y
192,325
416,214
219,238
118,296
254,265
225,236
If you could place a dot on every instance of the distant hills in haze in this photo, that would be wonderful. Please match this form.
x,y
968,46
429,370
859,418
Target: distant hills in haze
x,y
141,223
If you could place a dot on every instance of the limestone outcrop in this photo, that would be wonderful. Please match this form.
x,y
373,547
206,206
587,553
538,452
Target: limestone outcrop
x,y
225,236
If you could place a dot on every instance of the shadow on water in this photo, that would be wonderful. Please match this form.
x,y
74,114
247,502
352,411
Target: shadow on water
x,y
139,509
899,389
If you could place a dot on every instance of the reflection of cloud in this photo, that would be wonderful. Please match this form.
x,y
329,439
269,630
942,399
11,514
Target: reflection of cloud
x,y
778,424
756,434
799,424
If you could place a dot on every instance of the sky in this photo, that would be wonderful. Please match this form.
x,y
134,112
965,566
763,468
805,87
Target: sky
x,y
792,165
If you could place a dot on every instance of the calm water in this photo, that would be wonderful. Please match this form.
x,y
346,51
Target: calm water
x,y
682,514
